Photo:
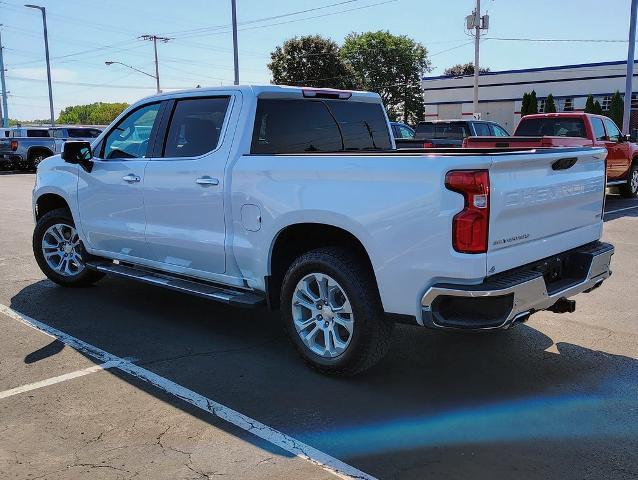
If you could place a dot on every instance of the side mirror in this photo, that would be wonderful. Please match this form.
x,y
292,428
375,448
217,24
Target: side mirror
x,y
78,153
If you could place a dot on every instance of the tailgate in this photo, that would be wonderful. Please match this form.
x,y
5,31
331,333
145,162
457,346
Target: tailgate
x,y
5,145
543,203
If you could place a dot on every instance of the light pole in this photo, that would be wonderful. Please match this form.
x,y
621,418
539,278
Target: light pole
x,y
630,68
109,62
5,110
46,50
235,51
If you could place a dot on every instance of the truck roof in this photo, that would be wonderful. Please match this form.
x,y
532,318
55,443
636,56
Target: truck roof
x,y
563,115
268,91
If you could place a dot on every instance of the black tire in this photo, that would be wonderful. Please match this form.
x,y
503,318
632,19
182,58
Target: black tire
x,y
35,158
630,189
84,277
371,334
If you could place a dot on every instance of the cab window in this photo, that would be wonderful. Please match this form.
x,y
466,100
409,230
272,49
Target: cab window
x,y
613,133
599,130
130,137
498,131
482,129
195,126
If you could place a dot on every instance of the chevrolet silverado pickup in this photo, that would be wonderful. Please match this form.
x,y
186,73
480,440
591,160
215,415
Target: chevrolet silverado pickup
x,y
575,130
26,147
295,198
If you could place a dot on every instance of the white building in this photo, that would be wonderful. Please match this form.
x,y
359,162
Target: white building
x,y
500,93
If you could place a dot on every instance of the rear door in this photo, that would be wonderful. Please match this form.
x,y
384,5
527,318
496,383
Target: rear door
x,y
543,203
184,185
110,196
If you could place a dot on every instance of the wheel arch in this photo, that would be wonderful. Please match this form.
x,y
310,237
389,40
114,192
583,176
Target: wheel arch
x,y
32,151
48,202
299,238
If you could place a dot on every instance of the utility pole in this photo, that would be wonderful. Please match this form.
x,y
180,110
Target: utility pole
x,y
235,51
477,23
5,110
626,118
46,50
155,39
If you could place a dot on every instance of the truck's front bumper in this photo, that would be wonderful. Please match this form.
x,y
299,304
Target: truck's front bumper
x,y
512,296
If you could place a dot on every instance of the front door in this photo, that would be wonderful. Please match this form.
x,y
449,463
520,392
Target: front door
x,y
184,186
110,197
617,152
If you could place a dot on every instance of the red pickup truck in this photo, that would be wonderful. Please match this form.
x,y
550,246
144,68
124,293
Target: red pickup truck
x,y
575,130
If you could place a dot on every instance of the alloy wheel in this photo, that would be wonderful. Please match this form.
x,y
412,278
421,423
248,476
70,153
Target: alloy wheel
x,y
322,315
61,248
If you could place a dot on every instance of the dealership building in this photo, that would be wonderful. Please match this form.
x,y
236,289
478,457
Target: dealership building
x,y
501,93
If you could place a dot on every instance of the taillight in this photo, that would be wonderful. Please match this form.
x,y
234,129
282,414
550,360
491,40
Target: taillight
x,y
470,227
428,145
14,145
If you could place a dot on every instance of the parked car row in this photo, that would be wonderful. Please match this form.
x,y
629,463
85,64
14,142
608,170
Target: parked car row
x,y
24,148
547,130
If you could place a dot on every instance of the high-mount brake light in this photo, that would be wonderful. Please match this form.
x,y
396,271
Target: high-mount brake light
x,y
326,93
470,227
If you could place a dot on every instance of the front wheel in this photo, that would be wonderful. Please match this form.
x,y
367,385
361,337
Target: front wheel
x,y
332,312
630,189
59,250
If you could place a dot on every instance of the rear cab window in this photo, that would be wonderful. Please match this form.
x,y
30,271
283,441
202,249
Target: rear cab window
x,y
551,127
326,125
35,133
83,132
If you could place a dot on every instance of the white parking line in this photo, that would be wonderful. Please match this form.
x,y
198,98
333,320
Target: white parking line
x,y
283,441
621,209
58,379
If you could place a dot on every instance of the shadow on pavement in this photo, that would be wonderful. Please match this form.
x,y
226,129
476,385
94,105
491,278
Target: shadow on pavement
x,y
439,403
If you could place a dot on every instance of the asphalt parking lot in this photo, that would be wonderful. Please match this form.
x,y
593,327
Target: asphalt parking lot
x,y
187,381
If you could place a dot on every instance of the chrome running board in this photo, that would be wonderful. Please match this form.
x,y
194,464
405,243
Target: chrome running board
x,y
211,291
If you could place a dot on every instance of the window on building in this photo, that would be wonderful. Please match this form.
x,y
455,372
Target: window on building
x,y
634,100
606,102
568,105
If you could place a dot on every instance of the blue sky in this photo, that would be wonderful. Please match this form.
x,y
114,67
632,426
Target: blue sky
x,y
83,34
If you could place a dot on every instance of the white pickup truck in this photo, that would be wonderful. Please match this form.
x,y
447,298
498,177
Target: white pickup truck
x,y
296,198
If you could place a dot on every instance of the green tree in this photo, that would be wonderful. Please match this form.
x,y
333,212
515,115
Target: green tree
x,y
311,61
598,109
463,69
392,66
99,113
525,105
550,105
533,103
616,107
589,104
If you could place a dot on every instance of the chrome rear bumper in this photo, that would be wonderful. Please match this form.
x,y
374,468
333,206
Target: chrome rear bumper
x,y
513,296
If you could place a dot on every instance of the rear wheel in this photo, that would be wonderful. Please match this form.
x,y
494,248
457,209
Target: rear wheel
x,y
332,312
59,250
630,189
35,159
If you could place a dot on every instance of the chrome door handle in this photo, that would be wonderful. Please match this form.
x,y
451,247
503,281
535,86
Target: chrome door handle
x,y
131,178
207,181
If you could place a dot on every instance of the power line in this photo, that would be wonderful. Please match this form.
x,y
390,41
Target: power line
x,y
263,19
583,40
